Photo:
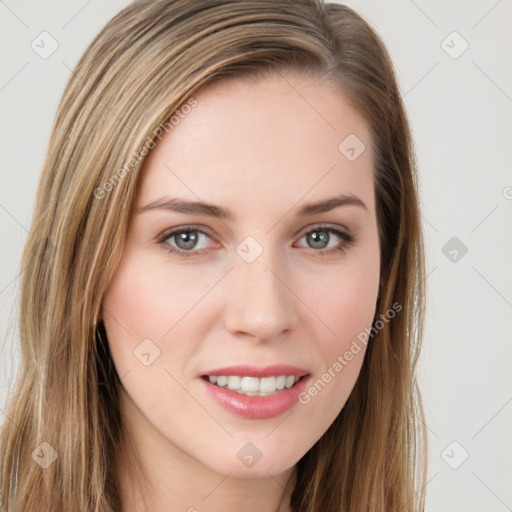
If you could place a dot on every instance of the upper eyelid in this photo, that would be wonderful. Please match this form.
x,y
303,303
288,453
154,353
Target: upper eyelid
x,y
322,225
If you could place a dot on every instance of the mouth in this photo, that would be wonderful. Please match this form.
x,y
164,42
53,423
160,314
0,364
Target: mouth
x,y
255,386
256,393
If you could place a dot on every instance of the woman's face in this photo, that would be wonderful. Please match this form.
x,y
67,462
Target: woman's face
x,y
258,290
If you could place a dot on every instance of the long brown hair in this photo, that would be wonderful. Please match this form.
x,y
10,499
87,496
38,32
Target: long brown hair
x,y
146,63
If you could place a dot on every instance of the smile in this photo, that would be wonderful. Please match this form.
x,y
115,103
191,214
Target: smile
x,y
254,386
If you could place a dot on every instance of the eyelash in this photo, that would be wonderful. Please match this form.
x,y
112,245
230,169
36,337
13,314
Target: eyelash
x,y
347,240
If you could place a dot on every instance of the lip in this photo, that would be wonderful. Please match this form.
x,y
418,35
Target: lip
x,y
257,407
253,371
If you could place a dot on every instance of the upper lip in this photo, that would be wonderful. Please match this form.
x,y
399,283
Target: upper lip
x,y
254,371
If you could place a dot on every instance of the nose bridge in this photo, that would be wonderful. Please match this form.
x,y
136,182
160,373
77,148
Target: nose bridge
x,y
261,304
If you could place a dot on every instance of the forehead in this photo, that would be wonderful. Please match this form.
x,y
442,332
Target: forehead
x,y
254,142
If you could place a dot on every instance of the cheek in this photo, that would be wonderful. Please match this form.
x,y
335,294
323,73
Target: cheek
x,y
150,334
143,303
346,311
346,304
349,313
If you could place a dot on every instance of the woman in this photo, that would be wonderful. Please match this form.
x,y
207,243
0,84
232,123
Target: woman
x,y
222,296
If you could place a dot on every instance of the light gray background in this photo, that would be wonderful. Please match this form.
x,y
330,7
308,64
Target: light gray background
x,y
460,111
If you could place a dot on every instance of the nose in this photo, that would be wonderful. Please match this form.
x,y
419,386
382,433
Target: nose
x,y
260,303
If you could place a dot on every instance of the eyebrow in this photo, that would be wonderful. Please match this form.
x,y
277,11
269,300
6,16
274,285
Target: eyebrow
x,y
211,210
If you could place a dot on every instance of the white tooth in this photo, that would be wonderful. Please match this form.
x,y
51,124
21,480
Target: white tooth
x,y
280,381
268,385
234,382
250,384
290,381
222,380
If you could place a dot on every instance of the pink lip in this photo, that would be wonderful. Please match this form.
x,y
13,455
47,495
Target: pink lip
x,y
257,407
253,371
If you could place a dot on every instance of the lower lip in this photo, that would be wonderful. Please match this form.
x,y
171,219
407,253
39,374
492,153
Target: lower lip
x,y
256,407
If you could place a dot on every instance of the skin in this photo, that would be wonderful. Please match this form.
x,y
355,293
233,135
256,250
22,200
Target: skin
x,y
261,149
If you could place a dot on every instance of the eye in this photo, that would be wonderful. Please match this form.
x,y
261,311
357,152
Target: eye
x,y
320,236
185,241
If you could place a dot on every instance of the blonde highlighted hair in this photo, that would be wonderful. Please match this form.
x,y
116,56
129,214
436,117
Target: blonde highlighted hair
x,y
144,65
